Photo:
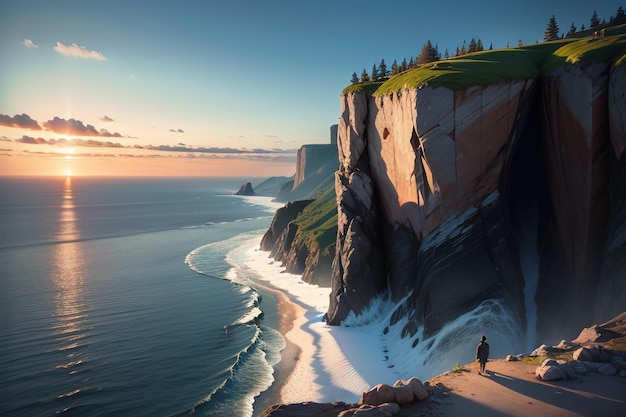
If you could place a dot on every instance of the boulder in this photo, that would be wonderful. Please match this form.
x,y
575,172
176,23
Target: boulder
x,y
419,390
607,369
568,370
593,354
550,373
380,394
578,367
540,351
618,362
404,395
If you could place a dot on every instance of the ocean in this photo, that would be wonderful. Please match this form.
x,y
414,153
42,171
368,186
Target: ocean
x,y
130,297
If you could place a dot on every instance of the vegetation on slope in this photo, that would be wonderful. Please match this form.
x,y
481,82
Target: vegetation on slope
x,y
492,67
317,224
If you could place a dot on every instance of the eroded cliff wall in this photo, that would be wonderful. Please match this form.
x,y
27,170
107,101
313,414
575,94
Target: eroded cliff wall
x,y
430,206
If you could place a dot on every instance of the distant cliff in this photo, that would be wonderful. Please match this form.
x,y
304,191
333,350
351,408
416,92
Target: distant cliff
x,y
315,166
302,234
494,176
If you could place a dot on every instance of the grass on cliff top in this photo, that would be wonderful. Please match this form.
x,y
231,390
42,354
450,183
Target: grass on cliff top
x,y
588,50
367,87
317,224
501,65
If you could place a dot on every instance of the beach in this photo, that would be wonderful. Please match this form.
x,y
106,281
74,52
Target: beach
x,y
320,363
325,364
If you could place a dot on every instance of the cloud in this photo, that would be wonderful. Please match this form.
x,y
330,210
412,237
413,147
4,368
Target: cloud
x,y
31,140
79,52
177,130
75,127
106,118
29,44
22,121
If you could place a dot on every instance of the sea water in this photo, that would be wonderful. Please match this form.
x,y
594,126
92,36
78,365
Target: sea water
x,y
126,297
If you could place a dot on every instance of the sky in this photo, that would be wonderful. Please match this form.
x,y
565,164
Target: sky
x,y
215,88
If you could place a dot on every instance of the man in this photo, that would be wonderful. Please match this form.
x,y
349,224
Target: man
x,y
482,353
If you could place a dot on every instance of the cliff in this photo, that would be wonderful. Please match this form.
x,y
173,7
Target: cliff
x,y
302,234
315,168
493,176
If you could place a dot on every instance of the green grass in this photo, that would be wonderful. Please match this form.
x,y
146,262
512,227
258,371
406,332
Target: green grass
x,y
533,360
588,50
367,87
502,65
458,368
317,224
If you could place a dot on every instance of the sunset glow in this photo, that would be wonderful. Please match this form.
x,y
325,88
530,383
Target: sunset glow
x,y
227,88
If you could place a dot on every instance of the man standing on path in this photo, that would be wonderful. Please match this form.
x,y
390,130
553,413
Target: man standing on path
x,y
482,353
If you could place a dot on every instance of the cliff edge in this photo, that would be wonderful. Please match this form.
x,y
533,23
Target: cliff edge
x,y
493,180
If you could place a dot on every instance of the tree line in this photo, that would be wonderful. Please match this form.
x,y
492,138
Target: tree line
x,y
431,53
552,30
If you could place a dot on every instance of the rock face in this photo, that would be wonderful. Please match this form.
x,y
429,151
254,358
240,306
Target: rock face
x,y
245,189
315,168
310,158
436,188
279,238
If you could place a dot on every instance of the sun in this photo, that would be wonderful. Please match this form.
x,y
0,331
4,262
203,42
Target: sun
x,y
67,151
68,172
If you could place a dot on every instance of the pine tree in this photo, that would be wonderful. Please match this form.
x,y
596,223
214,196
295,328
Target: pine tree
x,y
404,66
374,73
382,68
364,76
429,53
552,31
411,64
472,46
355,79
446,55
594,19
491,46
572,30
620,17
394,67
479,45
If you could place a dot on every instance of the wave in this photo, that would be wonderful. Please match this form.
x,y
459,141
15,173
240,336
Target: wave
x,y
252,371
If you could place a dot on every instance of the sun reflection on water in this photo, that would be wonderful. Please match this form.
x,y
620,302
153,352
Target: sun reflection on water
x,y
67,273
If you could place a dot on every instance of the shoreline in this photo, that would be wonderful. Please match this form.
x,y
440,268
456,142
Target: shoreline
x,y
320,363
350,363
288,313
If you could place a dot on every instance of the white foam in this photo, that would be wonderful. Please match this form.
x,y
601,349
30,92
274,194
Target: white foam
x,y
336,363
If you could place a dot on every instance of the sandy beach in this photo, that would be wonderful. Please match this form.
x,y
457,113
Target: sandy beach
x,y
325,364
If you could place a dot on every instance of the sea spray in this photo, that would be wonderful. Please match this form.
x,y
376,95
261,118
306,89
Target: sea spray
x,y
428,356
